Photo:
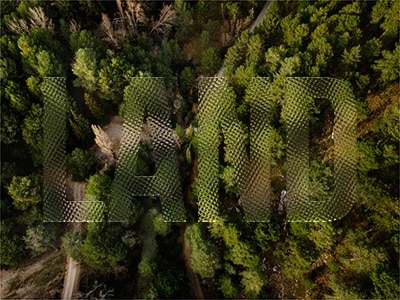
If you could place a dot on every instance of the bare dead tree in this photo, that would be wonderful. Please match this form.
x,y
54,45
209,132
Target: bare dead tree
x,y
103,140
18,26
39,19
165,21
107,29
235,26
121,11
74,26
135,15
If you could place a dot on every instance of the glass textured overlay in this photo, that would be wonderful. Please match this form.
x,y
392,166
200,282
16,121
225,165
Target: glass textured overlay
x,y
217,115
55,204
255,186
146,97
298,96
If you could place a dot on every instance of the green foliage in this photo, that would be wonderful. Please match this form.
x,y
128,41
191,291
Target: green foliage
x,y
321,180
98,186
368,155
333,266
42,54
253,282
204,258
356,255
25,191
266,234
180,131
273,58
388,66
32,131
160,226
16,94
85,67
244,74
183,20
11,248
387,125
8,68
81,127
240,253
114,75
352,57
34,85
187,80
38,239
167,283
71,244
210,61
94,106
294,265
150,293
386,285
354,41
47,65
86,39
293,31
340,290
323,235
146,268
383,207
81,164
229,180
10,125
103,247
227,287
388,11
171,54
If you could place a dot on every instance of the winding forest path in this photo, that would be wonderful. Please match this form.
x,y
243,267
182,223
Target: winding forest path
x,y
73,268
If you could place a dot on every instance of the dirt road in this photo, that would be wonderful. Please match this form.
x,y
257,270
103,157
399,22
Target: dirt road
x,y
71,281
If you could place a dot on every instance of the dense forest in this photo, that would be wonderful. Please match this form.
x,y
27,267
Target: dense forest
x,y
98,46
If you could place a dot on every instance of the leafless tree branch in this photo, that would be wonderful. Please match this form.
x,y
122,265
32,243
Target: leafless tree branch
x,y
39,19
165,21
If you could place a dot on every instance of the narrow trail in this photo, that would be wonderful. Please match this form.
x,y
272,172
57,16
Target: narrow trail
x,y
71,281
73,268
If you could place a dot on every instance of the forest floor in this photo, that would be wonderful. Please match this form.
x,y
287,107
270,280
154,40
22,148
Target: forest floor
x,y
40,277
